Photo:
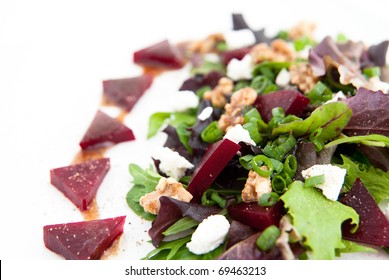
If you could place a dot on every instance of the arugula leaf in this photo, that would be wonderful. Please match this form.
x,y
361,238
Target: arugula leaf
x,y
317,219
329,119
181,225
156,121
144,181
171,247
375,140
374,179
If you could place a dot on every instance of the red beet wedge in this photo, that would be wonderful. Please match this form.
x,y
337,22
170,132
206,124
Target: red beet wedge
x,y
215,159
162,55
80,182
292,102
105,131
125,93
85,240
373,226
256,216
227,56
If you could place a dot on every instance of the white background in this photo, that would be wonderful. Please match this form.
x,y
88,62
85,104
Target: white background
x,y
53,57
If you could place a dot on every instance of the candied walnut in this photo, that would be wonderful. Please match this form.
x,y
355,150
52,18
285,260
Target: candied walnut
x,y
256,186
233,114
302,76
207,45
218,94
302,29
278,51
166,187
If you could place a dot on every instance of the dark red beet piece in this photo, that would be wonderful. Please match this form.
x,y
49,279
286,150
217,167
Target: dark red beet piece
x,y
373,226
213,162
227,56
126,92
161,55
80,182
86,240
255,216
104,131
292,102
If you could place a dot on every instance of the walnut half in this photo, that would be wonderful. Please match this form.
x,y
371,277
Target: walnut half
x,y
256,186
166,187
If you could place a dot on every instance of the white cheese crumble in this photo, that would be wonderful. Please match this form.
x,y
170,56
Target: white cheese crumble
x,y
205,113
238,134
239,38
337,97
240,69
333,178
184,100
212,57
209,234
283,78
172,164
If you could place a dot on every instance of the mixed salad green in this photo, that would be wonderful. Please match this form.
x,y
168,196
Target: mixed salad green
x,y
292,125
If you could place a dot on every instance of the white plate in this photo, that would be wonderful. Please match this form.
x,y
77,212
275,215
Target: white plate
x,y
53,57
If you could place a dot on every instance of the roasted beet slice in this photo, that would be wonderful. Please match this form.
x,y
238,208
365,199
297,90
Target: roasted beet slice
x,y
80,182
126,92
255,216
373,226
105,131
227,56
86,240
292,102
213,162
161,55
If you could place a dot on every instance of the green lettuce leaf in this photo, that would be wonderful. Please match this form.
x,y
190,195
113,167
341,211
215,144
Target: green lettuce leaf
x,y
317,219
374,179
328,121
144,182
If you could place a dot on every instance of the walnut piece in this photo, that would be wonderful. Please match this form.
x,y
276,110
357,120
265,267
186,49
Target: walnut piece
x,y
279,51
218,95
256,186
207,45
166,187
233,114
302,29
302,76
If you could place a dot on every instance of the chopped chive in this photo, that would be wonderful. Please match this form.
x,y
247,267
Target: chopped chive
x,y
258,161
314,181
268,238
280,183
290,165
268,199
245,161
372,72
280,147
212,133
319,93
253,131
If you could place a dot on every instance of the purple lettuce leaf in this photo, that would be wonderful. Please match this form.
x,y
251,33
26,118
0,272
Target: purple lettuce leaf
x,y
239,23
377,53
370,113
238,232
198,81
173,142
171,211
378,156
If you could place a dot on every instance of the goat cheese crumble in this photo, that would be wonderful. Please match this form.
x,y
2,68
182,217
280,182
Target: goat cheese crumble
x,y
238,134
171,163
333,178
240,69
209,234
239,38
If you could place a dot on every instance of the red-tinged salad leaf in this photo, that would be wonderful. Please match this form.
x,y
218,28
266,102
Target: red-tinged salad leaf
x,y
80,182
248,250
373,227
86,240
317,219
377,53
370,113
292,102
326,122
171,211
126,92
256,216
199,81
238,232
238,54
378,156
239,23
214,160
105,131
162,55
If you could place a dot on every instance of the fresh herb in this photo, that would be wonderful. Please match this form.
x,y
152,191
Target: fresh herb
x,y
181,225
268,238
212,133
